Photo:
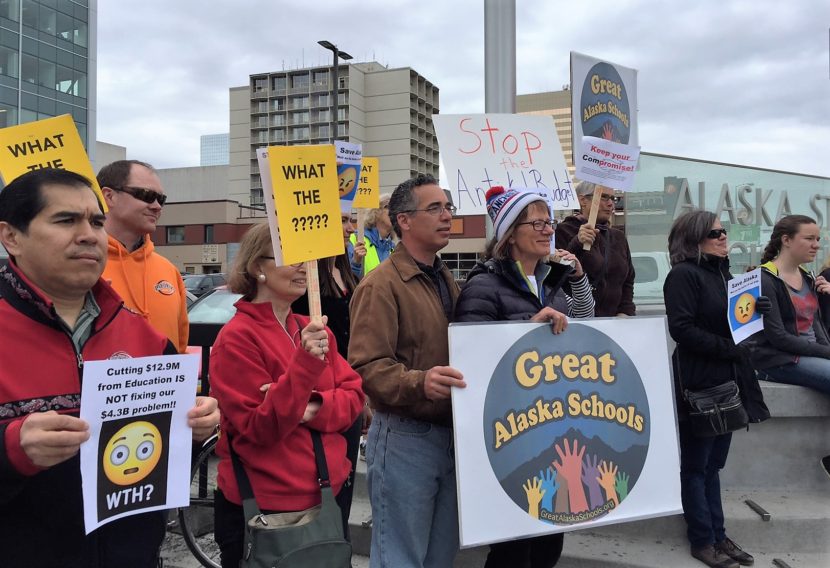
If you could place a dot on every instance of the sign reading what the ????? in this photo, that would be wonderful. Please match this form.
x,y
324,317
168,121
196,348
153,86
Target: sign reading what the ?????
x,y
560,432
137,458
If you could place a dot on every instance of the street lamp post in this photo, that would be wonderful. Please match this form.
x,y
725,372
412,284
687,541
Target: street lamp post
x,y
337,55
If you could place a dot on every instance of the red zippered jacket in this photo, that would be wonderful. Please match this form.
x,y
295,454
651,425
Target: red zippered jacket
x,y
41,511
253,349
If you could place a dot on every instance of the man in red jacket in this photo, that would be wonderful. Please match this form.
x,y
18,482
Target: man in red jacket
x,y
56,312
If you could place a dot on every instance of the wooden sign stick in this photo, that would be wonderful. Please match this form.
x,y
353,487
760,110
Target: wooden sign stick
x,y
361,224
361,228
592,216
315,308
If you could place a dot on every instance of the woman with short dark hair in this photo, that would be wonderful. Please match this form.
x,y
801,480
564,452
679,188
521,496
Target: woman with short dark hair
x,y
695,293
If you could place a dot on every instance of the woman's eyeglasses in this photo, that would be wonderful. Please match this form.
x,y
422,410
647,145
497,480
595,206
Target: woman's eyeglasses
x,y
145,195
716,233
539,224
295,265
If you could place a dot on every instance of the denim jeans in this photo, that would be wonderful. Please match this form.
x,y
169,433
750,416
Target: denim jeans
x,y
701,460
411,479
811,372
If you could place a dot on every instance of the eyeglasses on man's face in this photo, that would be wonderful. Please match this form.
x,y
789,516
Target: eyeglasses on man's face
x,y
540,224
145,195
716,233
436,209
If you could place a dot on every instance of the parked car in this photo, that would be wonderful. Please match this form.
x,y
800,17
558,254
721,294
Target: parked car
x,y
650,271
198,284
214,307
207,315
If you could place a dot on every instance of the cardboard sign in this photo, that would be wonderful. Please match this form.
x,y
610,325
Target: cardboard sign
x,y
743,291
349,157
48,143
603,105
270,206
561,432
304,180
480,151
607,163
368,192
137,414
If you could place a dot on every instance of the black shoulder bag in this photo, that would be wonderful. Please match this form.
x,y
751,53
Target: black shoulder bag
x,y
715,410
312,538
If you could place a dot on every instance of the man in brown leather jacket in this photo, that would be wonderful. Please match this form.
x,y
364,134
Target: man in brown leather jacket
x,y
399,318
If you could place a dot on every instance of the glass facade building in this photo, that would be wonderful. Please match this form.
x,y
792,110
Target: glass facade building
x,y
747,200
48,61
214,150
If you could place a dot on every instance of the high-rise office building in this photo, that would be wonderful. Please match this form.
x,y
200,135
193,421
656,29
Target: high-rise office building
x,y
48,62
556,104
388,111
214,149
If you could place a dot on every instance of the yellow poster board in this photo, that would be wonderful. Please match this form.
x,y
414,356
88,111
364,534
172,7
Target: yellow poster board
x,y
48,143
368,191
307,200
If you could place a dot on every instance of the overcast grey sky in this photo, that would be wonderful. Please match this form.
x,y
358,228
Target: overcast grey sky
x,y
737,81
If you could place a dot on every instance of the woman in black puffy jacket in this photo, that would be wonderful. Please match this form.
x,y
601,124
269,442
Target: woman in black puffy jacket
x,y
695,293
516,283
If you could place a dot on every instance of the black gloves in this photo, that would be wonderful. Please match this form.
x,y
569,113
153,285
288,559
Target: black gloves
x,y
763,305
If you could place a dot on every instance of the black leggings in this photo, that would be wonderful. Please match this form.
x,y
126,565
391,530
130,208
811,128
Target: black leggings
x,y
229,528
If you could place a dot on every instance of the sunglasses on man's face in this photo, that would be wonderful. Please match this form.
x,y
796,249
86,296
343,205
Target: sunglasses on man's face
x,y
145,195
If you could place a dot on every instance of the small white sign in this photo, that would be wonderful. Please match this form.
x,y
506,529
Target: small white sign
x,y
210,253
137,458
743,318
348,153
607,163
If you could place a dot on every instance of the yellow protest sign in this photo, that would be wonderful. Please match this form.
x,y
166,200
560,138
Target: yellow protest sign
x,y
48,143
368,191
307,201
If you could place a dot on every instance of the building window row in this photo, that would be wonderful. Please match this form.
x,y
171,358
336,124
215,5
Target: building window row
x,y
175,234
65,21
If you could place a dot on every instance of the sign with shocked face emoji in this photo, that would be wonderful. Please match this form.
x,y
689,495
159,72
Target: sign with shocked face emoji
x,y
132,453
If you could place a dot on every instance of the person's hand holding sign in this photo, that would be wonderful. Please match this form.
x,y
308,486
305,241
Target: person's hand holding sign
x,y
359,252
49,438
587,234
203,418
439,380
558,320
315,338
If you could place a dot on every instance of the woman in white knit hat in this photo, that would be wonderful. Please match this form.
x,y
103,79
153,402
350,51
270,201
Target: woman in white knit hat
x,y
516,282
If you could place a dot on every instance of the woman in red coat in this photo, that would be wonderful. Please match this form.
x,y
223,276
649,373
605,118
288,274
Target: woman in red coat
x,y
276,376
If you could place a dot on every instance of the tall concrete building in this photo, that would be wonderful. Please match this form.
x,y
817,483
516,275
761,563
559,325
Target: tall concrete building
x,y
556,104
48,62
388,111
214,149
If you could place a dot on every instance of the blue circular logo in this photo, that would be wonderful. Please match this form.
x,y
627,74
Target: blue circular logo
x,y
566,424
604,109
